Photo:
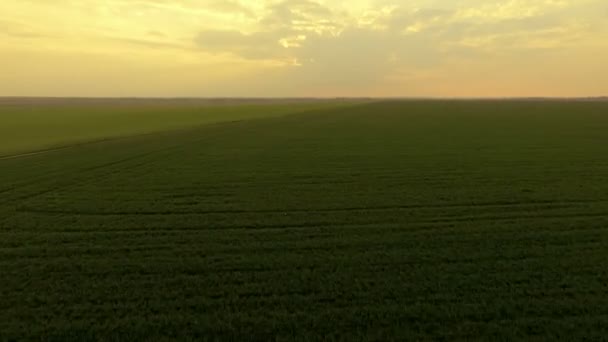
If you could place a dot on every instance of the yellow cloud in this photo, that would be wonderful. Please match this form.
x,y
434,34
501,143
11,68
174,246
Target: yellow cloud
x,y
300,47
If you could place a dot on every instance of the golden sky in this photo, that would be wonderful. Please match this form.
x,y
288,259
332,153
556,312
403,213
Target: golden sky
x,y
439,48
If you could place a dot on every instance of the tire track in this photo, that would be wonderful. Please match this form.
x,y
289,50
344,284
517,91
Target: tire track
x,y
83,178
550,205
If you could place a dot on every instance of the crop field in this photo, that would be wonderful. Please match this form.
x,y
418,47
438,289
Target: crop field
x,y
42,124
386,220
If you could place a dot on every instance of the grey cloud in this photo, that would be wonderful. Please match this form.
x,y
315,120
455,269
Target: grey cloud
x,y
289,10
259,45
27,35
362,56
145,43
356,55
506,26
18,30
401,18
283,20
154,33
229,6
298,14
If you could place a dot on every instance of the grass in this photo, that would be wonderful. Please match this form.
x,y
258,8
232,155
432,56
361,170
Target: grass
x,y
404,220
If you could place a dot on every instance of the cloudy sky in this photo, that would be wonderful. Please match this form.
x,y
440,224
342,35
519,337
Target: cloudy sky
x,y
438,48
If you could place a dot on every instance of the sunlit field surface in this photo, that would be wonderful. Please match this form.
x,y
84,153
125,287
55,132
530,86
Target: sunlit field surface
x,y
406,220
28,125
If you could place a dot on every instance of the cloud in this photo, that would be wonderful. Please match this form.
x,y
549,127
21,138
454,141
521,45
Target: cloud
x,y
19,30
232,7
291,11
155,33
299,45
323,47
153,44
259,45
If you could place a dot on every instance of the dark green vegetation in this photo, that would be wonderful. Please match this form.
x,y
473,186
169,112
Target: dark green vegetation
x,y
392,220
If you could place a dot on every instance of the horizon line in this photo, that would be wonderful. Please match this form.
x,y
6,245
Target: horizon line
x,y
309,97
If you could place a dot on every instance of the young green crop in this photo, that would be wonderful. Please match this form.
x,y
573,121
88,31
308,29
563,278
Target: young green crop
x,y
397,220
27,126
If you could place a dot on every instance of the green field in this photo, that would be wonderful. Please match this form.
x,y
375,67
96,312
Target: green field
x,y
391,220
33,125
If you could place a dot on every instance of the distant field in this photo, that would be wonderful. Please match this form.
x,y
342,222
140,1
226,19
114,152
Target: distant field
x,y
406,220
28,125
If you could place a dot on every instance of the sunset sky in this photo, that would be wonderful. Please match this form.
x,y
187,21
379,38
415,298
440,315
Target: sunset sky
x,y
208,48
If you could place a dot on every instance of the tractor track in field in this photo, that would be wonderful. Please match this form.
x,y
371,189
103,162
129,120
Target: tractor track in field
x,y
545,205
86,179
450,219
99,141
72,182
28,154
40,180
192,127
67,147
358,247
